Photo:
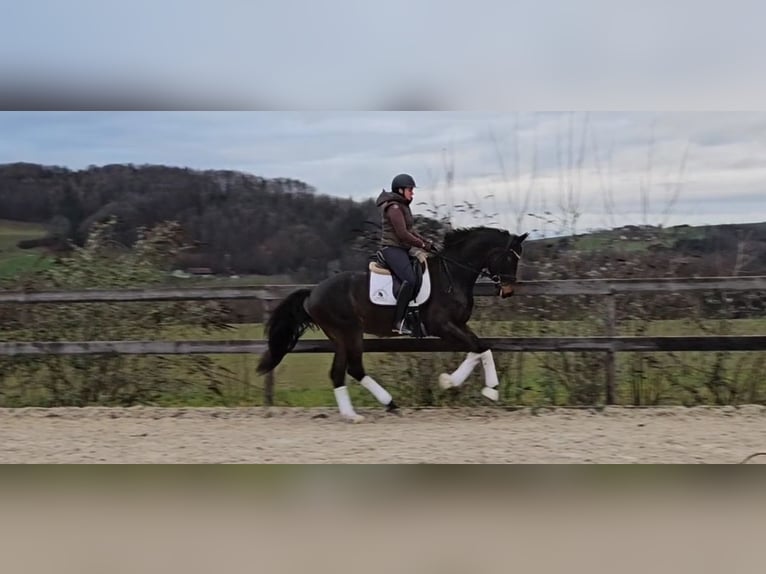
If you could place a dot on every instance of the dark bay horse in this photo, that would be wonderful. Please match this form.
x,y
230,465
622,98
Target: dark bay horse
x,y
341,307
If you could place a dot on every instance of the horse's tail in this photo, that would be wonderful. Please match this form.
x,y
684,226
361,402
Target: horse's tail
x,y
285,326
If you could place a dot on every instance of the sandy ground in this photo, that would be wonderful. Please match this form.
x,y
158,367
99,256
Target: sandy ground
x,y
282,435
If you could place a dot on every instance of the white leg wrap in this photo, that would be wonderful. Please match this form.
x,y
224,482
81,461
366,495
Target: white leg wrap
x,y
344,405
490,374
383,396
465,369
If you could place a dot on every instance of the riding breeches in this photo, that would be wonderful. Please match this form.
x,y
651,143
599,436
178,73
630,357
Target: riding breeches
x,y
401,264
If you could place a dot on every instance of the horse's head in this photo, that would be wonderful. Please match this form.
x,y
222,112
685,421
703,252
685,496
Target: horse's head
x,y
487,251
503,262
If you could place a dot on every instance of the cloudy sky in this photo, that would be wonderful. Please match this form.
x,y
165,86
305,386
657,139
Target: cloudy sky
x,y
611,168
680,164
345,54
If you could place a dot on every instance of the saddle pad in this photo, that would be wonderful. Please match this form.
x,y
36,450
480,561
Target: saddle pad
x,y
382,287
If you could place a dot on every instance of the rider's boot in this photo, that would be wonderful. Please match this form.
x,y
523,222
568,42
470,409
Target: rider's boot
x,y
402,301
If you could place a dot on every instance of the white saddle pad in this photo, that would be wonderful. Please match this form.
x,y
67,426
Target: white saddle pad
x,y
382,287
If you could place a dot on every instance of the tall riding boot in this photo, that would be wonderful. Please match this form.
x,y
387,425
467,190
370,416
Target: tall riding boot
x,y
402,302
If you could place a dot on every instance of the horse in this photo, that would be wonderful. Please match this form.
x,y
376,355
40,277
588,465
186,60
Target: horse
x,y
349,304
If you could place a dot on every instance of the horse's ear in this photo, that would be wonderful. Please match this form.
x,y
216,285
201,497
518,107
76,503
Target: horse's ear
x,y
523,237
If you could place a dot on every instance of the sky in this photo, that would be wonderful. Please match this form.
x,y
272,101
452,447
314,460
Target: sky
x,y
674,134
345,54
609,168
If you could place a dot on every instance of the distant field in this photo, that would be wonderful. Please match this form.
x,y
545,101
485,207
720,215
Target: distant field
x,y
13,231
14,260
627,241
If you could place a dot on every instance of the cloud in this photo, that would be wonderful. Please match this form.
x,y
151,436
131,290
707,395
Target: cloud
x,y
717,161
486,54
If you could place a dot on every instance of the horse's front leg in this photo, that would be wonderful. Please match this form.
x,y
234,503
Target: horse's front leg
x,y
478,352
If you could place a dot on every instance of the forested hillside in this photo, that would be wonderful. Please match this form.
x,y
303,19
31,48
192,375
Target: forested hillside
x,y
239,222
245,224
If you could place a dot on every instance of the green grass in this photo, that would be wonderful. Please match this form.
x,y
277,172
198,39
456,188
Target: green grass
x,y
671,378
13,260
11,232
13,265
302,379
613,238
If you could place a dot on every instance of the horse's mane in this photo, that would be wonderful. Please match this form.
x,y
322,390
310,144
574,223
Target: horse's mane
x,y
457,236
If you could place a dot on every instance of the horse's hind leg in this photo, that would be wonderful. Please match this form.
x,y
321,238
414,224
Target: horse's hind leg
x,y
338,376
356,370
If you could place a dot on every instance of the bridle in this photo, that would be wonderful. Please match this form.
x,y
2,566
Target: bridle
x,y
483,272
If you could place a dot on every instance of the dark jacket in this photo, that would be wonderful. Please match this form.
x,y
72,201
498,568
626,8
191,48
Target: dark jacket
x,y
397,222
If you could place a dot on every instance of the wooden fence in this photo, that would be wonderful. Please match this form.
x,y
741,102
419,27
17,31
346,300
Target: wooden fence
x,y
609,343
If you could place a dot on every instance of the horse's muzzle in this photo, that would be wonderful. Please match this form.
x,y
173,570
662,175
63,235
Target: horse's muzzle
x,y
506,290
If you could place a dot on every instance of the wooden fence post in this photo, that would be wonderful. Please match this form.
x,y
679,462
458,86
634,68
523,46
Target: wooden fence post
x,y
268,379
611,363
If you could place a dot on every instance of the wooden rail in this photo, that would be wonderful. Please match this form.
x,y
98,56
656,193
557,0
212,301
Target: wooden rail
x,y
269,295
397,345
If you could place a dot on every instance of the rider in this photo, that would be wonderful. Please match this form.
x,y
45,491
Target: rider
x,y
398,236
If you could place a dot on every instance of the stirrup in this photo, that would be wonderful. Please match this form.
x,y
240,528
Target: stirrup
x,y
402,329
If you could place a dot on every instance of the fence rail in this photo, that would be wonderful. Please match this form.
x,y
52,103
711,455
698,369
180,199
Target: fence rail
x,y
503,344
610,344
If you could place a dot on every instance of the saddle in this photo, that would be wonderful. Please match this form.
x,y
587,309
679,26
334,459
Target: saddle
x,y
380,266
384,284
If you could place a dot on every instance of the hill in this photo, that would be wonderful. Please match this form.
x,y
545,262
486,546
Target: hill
x,y
244,224
238,223
682,251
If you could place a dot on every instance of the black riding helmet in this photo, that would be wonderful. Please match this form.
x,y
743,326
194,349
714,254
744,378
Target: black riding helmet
x,y
401,181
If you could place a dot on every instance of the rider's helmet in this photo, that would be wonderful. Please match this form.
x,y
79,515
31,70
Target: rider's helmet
x,y
402,181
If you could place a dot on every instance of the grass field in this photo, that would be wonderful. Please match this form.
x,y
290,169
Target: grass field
x,y
664,237
13,260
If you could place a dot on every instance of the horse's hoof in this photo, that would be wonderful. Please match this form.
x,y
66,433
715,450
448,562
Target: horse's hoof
x,y
393,408
490,393
445,381
355,418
